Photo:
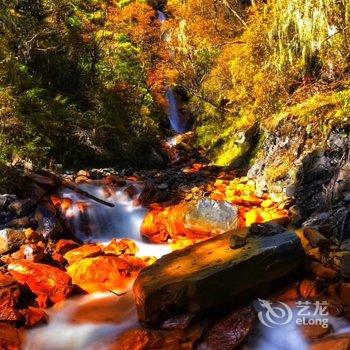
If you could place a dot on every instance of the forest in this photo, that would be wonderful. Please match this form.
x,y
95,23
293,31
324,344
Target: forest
x,y
174,174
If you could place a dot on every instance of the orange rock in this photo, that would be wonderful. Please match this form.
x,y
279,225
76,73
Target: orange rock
x,y
63,246
142,339
342,343
121,246
105,273
11,338
345,293
307,289
9,296
84,251
47,282
34,316
311,332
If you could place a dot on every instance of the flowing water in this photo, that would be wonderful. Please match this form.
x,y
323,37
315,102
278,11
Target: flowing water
x,y
91,321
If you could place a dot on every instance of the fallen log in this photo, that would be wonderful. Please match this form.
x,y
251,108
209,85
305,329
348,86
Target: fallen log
x,y
211,275
50,180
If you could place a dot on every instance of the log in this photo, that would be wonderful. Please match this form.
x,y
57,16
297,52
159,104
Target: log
x,y
210,275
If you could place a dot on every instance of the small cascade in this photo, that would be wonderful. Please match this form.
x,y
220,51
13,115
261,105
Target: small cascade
x,y
94,222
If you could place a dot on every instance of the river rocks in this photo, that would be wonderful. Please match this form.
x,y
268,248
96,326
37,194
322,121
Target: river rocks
x,y
105,273
6,200
11,240
47,282
315,238
337,343
85,251
229,333
9,297
48,224
10,337
322,271
34,316
120,247
21,207
210,274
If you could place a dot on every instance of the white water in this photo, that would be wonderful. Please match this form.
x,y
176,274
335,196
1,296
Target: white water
x,y
92,321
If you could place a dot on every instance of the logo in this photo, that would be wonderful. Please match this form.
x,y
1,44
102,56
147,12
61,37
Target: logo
x,y
277,313
274,314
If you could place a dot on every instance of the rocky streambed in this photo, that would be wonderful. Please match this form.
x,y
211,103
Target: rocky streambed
x,y
72,246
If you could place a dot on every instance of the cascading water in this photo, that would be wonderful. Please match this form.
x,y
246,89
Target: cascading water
x,y
88,322
178,121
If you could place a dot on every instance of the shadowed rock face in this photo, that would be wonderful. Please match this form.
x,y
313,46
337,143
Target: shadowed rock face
x,y
210,274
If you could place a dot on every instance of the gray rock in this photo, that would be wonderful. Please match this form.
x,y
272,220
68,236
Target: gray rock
x,y
215,216
11,240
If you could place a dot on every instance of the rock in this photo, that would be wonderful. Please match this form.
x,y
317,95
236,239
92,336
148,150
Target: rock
x,y
344,290
308,289
20,223
345,266
48,224
237,242
105,273
121,246
311,332
9,297
63,246
229,333
322,271
142,339
315,238
47,282
84,173
85,251
342,343
210,274
21,207
6,200
178,322
11,338
209,215
42,180
11,240
266,229
31,252
34,316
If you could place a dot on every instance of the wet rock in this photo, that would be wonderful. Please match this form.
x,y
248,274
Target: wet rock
x,y
341,343
11,240
47,282
6,200
311,332
322,271
121,246
210,274
9,297
105,273
63,246
209,215
142,339
34,316
41,180
178,322
21,223
315,238
230,333
11,338
31,252
48,224
21,207
308,289
84,173
85,251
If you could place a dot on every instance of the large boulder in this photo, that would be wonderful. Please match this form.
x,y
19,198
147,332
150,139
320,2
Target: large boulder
x,y
211,275
47,282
